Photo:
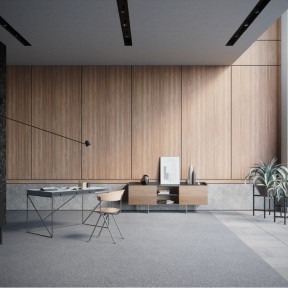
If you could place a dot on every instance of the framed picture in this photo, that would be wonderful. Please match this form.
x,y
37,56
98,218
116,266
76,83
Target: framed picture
x,y
169,170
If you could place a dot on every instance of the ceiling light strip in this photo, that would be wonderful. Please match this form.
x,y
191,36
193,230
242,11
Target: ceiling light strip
x,y
125,21
13,32
248,21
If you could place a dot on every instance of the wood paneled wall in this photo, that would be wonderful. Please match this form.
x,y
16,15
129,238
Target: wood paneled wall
x,y
106,96
56,107
255,112
18,135
256,103
261,53
206,114
156,118
222,119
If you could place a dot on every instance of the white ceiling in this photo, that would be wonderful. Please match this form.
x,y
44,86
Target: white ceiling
x,y
164,32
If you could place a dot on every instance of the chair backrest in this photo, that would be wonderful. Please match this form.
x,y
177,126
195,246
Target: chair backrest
x,y
112,196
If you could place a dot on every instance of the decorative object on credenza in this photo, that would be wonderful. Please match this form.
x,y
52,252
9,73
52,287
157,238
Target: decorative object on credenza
x,y
86,142
83,184
145,180
169,170
191,175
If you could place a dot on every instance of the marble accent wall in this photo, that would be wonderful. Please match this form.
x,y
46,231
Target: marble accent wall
x,y
3,120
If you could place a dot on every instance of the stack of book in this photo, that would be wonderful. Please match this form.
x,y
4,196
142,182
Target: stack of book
x,y
168,201
163,192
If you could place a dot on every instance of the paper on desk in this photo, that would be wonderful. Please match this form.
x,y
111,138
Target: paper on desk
x,y
48,189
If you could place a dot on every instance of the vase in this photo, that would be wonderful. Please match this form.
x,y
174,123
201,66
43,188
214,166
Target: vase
x,y
262,190
190,179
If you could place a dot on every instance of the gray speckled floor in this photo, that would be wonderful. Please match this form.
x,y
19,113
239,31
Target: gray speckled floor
x,y
159,250
268,239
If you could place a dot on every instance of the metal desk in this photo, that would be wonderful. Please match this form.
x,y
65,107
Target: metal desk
x,y
52,194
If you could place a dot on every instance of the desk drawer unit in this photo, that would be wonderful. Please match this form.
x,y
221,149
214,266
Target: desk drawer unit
x,y
142,195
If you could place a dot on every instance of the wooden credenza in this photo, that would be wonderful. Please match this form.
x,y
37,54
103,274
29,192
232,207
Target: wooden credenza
x,y
156,194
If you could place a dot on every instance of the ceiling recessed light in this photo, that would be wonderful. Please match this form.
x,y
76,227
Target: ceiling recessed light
x,y
248,21
13,32
125,21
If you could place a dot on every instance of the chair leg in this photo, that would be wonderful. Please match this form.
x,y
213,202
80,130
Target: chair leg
x,y
94,228
102,215
117,226
109,229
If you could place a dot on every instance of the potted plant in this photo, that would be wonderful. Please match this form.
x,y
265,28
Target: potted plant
x,y
281,189
266,177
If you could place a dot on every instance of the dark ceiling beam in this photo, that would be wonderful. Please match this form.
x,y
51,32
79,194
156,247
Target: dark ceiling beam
x,y
125,21
248,21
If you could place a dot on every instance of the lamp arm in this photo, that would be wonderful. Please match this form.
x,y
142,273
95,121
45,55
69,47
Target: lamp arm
x,y
87,143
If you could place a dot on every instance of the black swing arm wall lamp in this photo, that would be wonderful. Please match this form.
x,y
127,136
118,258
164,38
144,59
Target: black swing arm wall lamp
x,y
86,142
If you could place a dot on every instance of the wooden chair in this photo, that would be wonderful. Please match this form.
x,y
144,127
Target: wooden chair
x,y
105,211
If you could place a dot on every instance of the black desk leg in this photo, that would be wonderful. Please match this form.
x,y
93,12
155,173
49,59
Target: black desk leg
x,y
274,209
264,206
253,201
52,217
26,213
285,210
82,209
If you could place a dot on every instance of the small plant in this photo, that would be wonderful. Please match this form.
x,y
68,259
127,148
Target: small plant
x,y
267,176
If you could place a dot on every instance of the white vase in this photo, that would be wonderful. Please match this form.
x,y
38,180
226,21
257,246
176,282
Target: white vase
x,y
190,174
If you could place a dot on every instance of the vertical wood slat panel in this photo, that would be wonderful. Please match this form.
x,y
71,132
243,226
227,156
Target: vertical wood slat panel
x,y
106,114
54,157
67,99
156,118
261,53
42,97
56,107
56,99
19,93
18,135
206,121
273,33
255,102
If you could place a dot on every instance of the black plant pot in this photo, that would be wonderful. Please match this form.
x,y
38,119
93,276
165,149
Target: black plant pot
x,y
262,190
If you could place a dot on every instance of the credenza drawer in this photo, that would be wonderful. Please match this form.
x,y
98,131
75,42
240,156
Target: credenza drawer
x,y
193,195
142,195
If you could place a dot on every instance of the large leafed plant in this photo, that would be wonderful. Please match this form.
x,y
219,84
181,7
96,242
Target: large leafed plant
x,y
281,189
268,176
